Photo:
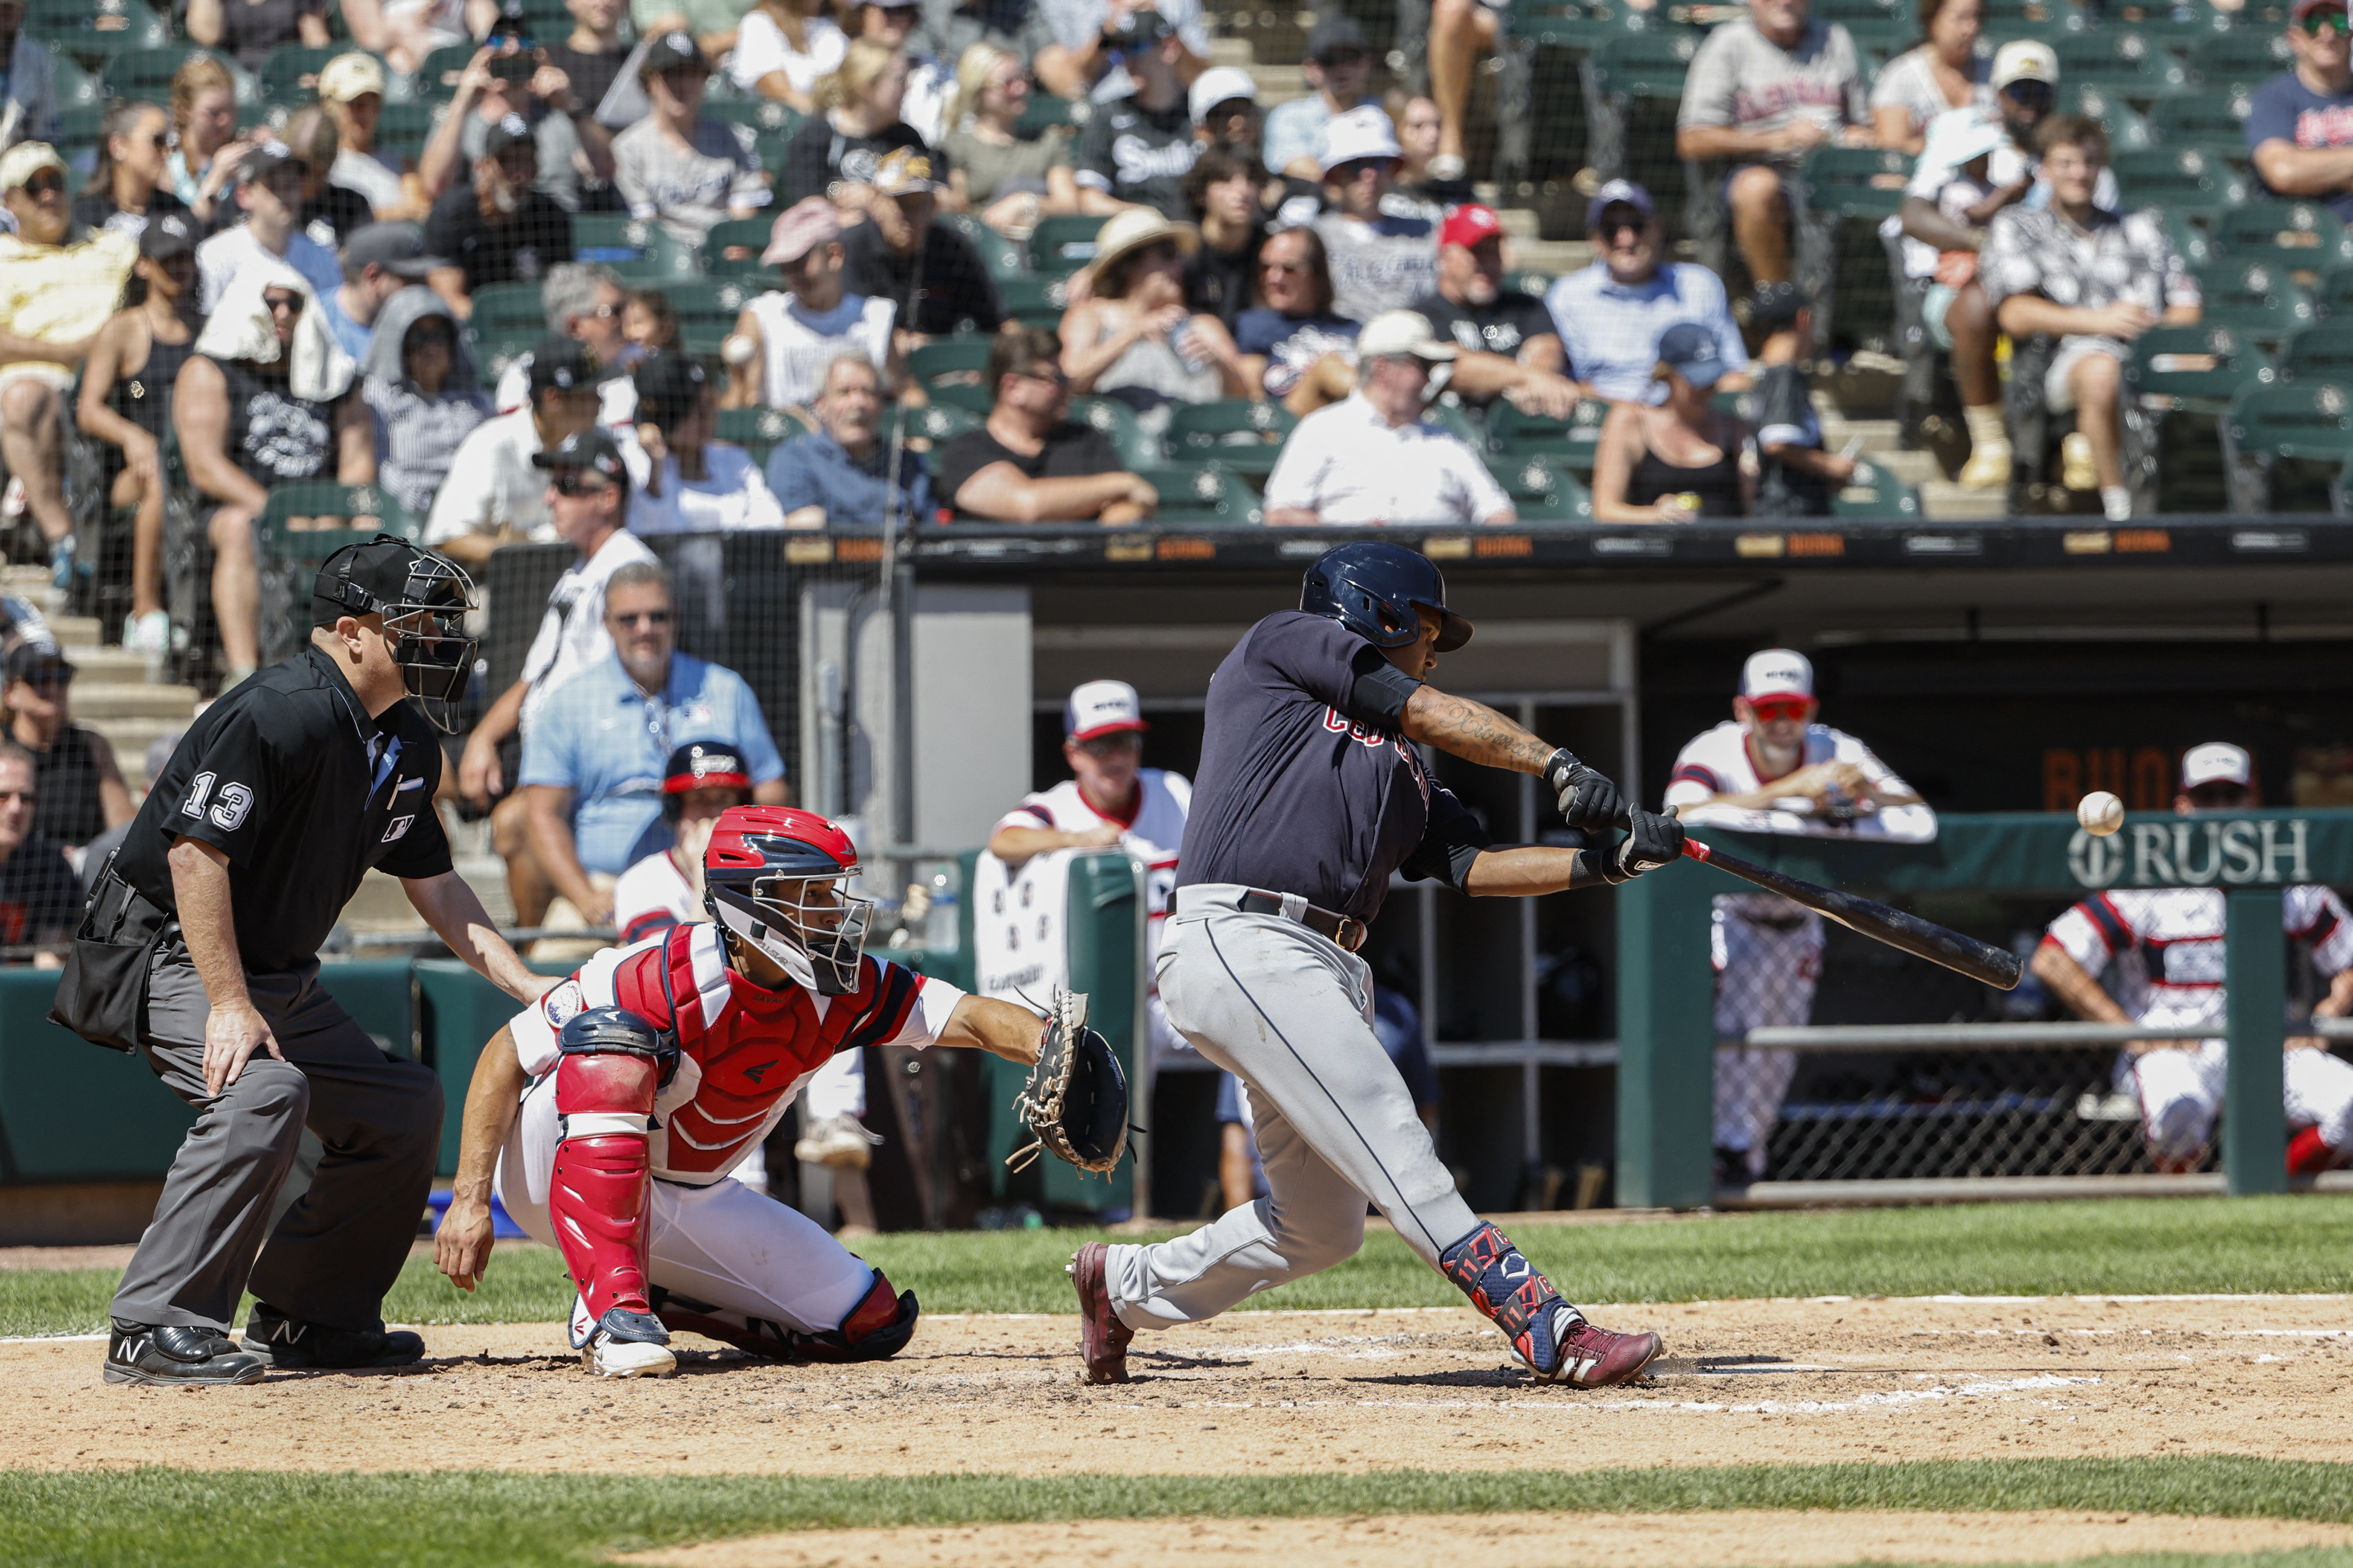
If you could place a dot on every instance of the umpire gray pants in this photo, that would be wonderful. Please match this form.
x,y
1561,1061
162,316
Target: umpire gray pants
x,y
340,1246
1289,1013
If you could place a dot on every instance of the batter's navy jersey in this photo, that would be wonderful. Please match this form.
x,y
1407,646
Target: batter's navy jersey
x,y
290,778
1306,785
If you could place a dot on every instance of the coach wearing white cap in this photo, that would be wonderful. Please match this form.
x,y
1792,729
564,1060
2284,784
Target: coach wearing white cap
x,y
1109,799
1770,757
1374,458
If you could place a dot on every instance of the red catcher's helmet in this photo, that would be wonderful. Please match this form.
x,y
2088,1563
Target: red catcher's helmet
x,y
775,876
702,764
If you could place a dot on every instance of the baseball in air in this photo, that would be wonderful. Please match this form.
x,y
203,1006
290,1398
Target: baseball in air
x,y
736,349
2100,813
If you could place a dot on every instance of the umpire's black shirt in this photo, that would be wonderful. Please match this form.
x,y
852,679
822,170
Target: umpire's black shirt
x,y
288,776
1306,786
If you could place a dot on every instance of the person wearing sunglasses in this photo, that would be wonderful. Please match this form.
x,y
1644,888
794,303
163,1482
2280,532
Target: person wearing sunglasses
x,y
81,784
128,187
1339,65
595,764
1384,254
55,297
493,495
1772,767
1133,338
2300,123
1612,314
1295,346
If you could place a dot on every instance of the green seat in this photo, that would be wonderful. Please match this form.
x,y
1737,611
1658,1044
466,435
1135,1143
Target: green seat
x,y
147,73
509,309
707,309
1202,495
1116,421
2172,365
970,395
1034,301
2333,298
764,115
1872,492
495,351
1865,183
2305,236
1512,432
964,358
640,252
2322,353
2241,57
436,74
2128,132
746,239
1064,242
1457,421
1536,283
1542,489
370,508
1650,63
1002,257
761,430
291,75
2122,59
2308,419
402,129
2215,121
1043,112
935,423
77,89
2187,180
2258,298
1240,433
95,31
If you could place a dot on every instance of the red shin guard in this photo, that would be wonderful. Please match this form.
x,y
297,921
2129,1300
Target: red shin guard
x,y
2308,1154
597,1199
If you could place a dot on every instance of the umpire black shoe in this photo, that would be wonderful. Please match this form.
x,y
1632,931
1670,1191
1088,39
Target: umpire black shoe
x,y
174,1355
289,1344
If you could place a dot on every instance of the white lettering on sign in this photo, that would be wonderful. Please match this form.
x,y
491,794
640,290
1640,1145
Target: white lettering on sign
x,y
2194,855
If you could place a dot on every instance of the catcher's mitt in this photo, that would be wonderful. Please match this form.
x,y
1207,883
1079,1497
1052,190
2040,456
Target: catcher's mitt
x,y
1076,1099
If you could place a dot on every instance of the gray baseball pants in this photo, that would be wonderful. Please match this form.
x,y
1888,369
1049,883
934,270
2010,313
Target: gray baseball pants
x,y
338,1249
1290,1013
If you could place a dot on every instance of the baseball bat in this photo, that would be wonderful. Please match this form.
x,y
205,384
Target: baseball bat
x,y
1997,967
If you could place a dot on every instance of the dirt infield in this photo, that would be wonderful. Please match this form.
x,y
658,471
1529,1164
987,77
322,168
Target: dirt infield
x,y
1590,1541
1769,1382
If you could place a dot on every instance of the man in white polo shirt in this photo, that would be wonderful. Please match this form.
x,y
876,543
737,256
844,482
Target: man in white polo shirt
x,y
1374,458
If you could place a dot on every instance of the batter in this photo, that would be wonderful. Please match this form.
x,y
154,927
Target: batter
x,y
1311,794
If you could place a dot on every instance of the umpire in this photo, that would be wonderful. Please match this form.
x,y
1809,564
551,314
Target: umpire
x,y
200,949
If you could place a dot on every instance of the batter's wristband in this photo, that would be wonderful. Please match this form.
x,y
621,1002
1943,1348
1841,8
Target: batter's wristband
x,y
1561,768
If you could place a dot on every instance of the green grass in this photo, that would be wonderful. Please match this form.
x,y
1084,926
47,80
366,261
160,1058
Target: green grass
x,y
257,1519
2127,1248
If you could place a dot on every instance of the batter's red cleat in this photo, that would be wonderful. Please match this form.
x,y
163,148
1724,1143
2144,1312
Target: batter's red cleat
x,y
1102,1338
1593,1357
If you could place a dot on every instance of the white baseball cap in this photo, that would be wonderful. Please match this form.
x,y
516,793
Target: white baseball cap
x,y
1363,131
1959,135
1102,707
1218,85
1777,672
1395,333
2216,761
2025,59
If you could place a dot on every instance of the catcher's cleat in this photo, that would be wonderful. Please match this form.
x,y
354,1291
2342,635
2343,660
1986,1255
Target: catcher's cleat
x,y
177,1355
290,1344
624,1344
840,1142
1102,1338
1592,1357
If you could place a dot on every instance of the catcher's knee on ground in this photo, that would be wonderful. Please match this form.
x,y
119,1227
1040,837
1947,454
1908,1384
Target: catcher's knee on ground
x,y
612,1064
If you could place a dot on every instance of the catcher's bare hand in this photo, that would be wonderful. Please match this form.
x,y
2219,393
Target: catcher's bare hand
x,y
462,1247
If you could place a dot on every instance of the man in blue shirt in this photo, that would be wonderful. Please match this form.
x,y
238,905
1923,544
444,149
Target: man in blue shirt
x,y
2300,126
1610,315
593,763
838,474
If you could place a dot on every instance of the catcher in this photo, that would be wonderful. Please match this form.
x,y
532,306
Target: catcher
x,y
608,1115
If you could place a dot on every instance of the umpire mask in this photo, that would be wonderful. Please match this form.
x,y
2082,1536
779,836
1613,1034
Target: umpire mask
x,y
425,599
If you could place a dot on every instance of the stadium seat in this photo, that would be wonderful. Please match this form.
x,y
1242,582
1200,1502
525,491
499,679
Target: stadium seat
x,y
402,129
2185,180
2308,423
77,89
746,236
494,352
2304,236
1865,183
436,81
291,75
1512,433
147,73
2319,354
707,309
1202,496
1063,243
640,252
1542,489
966,359
95,31
1236,433
969,396
761,430
1044,111
2332,297
1634,82
2128,132
509,309
1117,422
1002,257
2215,121
1874,494
369,509
2258,298
2241,57
1034,301
1459,422
764,115
933,422
2124,59
2196,369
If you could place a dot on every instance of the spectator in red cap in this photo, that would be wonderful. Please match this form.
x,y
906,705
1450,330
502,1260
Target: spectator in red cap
x,y
794,332
1509,345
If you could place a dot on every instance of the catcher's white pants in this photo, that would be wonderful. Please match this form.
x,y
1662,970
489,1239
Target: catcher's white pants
x,y
1764,978
1290,1014
2181,1092
726,1244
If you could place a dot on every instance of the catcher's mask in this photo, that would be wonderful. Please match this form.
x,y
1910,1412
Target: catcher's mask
x,y
777,877
702,764
1373,589
424,598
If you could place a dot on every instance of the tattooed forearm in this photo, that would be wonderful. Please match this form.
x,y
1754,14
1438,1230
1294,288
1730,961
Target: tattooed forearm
x,y
1473,731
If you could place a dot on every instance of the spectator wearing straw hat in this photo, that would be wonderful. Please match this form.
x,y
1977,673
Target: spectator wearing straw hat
x,y
1380,261
1133,338
1374,458
794,332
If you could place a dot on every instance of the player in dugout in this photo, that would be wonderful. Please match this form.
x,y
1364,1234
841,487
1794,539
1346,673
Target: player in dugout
x,y
608,1115
2176,935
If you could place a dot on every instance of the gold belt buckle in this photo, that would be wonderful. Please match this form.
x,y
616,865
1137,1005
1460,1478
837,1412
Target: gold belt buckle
x,y
1351,934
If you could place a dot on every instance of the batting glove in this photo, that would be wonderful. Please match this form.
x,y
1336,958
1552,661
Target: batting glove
x,y
1657,840
1588,801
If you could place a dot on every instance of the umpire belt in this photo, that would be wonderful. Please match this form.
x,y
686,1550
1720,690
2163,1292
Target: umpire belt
x,y
1343,931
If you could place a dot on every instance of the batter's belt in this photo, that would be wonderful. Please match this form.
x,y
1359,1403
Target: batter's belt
x,y
1343,931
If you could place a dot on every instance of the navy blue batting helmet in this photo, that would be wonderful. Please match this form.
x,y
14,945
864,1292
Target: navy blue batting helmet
x,y
1373,590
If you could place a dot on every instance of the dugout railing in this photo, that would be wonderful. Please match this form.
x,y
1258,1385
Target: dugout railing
x,y
1977,1093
